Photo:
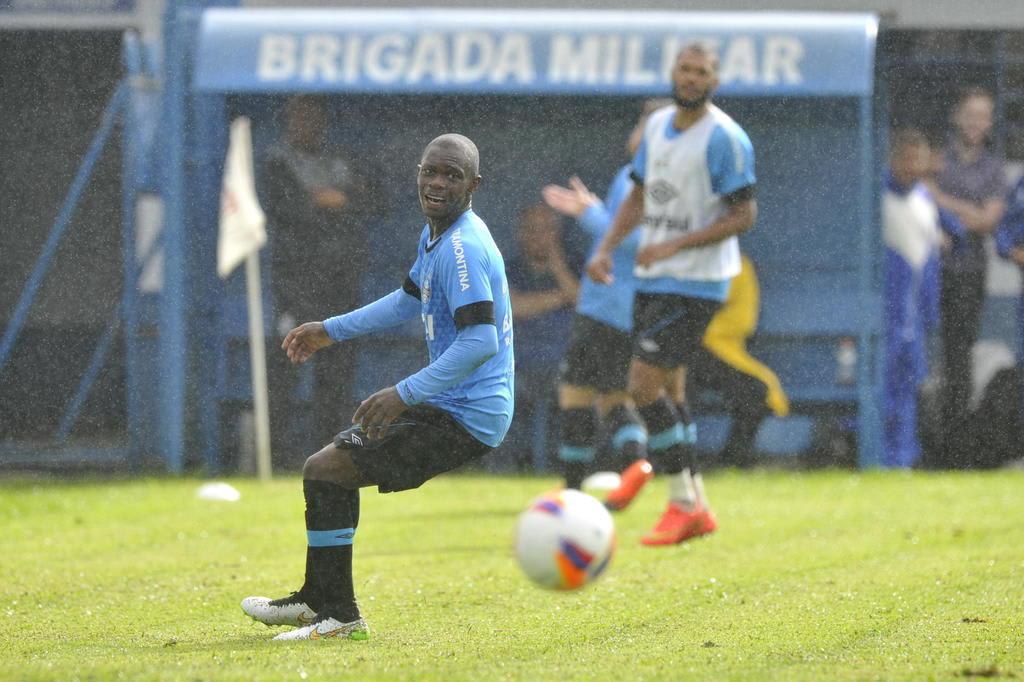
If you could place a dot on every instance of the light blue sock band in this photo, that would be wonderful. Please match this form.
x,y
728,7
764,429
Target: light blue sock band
x,y
330,538
690,434
630,433
667,438
576,453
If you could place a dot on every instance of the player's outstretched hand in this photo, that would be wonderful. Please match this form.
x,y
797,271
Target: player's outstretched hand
x,y
378,411
599,268
304,340
571,201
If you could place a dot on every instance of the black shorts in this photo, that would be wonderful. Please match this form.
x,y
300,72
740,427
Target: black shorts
x,y
668,328
422,443
598,356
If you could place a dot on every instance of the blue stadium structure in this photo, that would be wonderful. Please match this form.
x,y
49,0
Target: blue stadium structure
x,y
545,94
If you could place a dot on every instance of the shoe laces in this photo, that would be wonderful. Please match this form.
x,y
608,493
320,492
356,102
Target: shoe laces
x,y
293,598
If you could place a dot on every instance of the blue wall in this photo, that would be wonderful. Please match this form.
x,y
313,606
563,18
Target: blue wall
x,y
805,244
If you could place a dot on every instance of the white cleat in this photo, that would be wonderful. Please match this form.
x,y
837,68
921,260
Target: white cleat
x,y
326,628
290,610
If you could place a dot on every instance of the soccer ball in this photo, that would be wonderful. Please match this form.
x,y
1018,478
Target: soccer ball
x,y
564,539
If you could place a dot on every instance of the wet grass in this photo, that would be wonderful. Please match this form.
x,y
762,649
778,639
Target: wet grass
x,y
812,576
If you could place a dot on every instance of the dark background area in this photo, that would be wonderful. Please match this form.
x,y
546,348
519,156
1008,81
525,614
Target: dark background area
x,y
55,84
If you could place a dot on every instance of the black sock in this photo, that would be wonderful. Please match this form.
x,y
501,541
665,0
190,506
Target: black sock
x,y
332,515
311,587
665,433
578,447
628,436
574,473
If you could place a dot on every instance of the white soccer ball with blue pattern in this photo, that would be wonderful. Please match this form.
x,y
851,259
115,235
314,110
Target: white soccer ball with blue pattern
x,y
564,540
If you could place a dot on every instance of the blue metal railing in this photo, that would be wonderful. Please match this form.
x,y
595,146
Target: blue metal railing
x,y
63,221
99,355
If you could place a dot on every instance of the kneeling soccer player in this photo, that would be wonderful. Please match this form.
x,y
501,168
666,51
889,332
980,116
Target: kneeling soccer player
x,y
449,413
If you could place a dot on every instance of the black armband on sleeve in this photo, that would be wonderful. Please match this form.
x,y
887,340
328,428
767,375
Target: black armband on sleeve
x,y
481,312
739,196
637,180
410,288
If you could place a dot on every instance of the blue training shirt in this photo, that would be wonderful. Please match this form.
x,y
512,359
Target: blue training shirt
x,y
610,304
463,266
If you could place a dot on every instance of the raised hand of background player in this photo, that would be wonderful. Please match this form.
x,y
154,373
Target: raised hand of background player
x,y
378,411
571,201
304,340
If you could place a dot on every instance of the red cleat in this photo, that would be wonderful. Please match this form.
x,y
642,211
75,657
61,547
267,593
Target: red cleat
x,y
679,525
633,479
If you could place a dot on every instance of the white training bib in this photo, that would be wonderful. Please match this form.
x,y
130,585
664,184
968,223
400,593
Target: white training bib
x,y
679,198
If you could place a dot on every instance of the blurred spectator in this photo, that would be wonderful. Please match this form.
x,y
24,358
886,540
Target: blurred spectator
x,y
1010,234
1002,403
317,203
750,389
543,290
1010,245
912,227
970,185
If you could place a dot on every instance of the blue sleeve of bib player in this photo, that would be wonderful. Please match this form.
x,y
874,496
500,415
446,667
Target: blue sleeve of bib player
x,y
730,160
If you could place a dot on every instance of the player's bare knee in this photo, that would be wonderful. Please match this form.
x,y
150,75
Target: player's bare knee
x,y
571,397
334,465
644,394
320,466
313,468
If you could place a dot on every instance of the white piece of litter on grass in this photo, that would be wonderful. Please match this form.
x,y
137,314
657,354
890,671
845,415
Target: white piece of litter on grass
x,y
218,490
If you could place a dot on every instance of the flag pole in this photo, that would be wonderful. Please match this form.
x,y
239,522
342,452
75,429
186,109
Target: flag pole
x,y
258,364
242,235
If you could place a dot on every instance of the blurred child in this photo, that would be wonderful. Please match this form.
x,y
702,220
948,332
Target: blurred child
x,y
912,229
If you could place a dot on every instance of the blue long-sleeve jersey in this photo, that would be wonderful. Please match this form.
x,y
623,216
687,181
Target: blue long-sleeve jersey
x,y
612,305
458,287
1010,233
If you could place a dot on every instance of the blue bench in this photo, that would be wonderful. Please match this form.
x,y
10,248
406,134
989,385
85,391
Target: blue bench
x,y
804,317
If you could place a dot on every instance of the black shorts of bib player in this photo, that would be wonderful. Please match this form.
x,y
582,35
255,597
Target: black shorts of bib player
x,y
669,328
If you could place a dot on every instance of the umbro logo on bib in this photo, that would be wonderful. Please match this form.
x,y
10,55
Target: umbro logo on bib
x,y
649,345
661,192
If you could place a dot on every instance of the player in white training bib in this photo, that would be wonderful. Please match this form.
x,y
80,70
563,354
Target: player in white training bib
x,y
694,175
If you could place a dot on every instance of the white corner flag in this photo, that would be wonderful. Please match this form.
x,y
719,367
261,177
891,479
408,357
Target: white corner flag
x,y
242,235
242,223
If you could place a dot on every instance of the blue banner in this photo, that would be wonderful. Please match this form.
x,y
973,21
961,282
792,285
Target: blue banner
x,y
528,51
67,6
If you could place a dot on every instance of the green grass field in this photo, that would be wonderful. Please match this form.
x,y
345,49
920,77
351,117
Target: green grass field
x,y
811,577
